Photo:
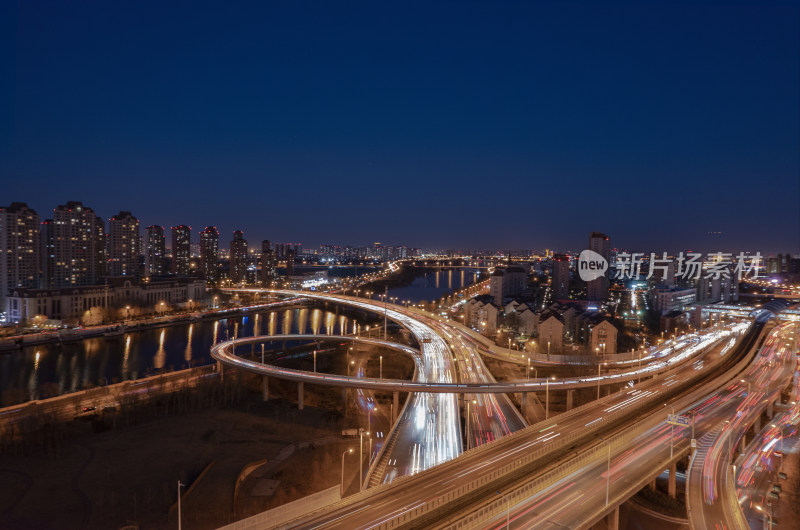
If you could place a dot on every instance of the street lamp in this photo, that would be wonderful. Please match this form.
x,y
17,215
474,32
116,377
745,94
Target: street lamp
x,y
380,373
598,380
385,295
361,459
341,488
769,516
466,420
180,485
508,507
640,366
608,467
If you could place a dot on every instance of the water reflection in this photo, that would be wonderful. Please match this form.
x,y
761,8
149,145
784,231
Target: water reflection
x,y
316,320
126,357
161,355
330,320
33,381
430,287
67,367
287,321
187,353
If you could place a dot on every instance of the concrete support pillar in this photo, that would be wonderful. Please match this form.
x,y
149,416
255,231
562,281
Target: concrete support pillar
x,y
673,483
613,519
524,401
253,348
653,485
743,443
769,410
344,400
757,425
265,388
570,396
395,405
300,395
219,370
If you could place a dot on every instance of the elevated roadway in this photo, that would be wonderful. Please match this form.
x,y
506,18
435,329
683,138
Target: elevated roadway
x,y
724,418
436,494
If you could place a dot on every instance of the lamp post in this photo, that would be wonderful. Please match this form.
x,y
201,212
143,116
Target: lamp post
x,y
466,420
341,488
640,366
385,295
315,361
598,380
671,436
729,439
608,467
547,397
769,516
508,508
380,372
180,485
360,459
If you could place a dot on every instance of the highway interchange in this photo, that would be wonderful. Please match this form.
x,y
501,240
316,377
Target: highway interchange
x,y
576,447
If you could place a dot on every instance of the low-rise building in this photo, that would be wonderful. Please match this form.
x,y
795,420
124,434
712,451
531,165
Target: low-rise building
x,y
666,300
551,335
80,304
603,338
481,314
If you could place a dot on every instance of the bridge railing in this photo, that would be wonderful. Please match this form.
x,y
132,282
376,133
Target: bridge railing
x,y
530,457
617,441
554,475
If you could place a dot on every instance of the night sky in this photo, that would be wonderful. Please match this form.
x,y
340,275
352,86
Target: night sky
x,y
501,125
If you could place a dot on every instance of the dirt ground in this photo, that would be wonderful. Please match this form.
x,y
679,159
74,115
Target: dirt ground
x,y
103,480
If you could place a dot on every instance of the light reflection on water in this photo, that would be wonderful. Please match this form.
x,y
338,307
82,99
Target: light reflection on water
x,y
434,285
46,370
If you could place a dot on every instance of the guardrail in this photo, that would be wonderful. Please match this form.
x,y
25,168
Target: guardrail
x,y
528,458
708,443
615,441
224,352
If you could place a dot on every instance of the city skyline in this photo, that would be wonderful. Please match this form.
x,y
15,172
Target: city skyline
x,y
523,126
196,241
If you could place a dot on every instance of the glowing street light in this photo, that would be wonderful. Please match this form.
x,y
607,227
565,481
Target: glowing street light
x,y
341,489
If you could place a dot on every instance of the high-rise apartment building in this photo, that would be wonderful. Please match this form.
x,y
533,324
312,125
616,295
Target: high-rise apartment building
x,y
238,257
75,246
269,263
597,289
156,251
123,245
290,255
209,254
560,279
48,244
20,250
181,249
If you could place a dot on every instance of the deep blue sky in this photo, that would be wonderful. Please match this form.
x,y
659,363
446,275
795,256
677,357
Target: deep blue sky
x,y
434,124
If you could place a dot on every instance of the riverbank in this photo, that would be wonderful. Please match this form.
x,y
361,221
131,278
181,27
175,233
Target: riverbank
x,y
16,342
